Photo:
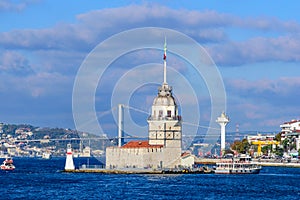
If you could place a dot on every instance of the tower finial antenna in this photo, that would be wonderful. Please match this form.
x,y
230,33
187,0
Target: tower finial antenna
x,y
165,61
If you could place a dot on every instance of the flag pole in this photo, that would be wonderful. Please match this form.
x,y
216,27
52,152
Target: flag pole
x,y
165,61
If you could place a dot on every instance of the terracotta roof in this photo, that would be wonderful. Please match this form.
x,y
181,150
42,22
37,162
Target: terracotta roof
x,y
140,144
185,154
291,122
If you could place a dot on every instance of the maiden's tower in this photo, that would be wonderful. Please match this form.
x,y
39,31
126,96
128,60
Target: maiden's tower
x,y
163,148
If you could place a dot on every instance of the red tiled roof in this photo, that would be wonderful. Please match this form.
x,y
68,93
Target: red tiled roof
x,y
185,154
140,144
291,122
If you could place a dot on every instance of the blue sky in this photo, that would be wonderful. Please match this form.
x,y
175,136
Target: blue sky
x,y
255,45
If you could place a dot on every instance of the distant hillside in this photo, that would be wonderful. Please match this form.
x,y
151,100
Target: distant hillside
x,y
27,137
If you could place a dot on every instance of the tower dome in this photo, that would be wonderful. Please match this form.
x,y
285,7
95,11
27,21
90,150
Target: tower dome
x,y
164,96
164,101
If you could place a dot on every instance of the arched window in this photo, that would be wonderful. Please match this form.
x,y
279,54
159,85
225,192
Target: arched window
x,y
169,113
160,113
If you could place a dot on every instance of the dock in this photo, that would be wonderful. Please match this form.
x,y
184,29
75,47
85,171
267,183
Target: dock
x,y
95,169
114,171
279,164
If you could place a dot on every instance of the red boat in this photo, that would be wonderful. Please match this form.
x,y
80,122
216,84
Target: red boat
x,y
8,164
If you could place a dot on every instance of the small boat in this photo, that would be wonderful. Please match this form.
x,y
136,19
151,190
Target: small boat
x,y
237,165
8,164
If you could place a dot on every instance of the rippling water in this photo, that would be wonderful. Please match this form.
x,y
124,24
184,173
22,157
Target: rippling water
x,y
43,179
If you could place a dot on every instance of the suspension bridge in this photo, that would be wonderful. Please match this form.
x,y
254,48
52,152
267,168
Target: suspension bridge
x,y
131,136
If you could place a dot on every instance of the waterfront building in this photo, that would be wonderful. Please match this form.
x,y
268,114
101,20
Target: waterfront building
x,y
187,159
291,130
260,137
164,146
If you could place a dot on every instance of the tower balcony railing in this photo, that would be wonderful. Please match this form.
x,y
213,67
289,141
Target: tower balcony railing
x,y
177,117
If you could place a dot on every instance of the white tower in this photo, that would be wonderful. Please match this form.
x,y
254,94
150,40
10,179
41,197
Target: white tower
x,y
164,121
222,120
69,160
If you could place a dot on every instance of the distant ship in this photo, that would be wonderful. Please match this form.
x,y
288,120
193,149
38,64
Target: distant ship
x,y
239,165
46,155
85,153
7,164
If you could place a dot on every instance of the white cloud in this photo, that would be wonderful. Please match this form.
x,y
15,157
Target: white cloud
x,y
263,104
54,54
259,49
283,86
35,85
13,62
15,6
207,27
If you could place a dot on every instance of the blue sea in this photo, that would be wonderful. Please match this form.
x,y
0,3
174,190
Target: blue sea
x,y
43,179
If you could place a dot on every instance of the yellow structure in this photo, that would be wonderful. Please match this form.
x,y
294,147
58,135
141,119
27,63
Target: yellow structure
x,y
260,143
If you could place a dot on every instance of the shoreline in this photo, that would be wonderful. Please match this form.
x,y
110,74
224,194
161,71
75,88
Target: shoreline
x,y
108,171
202,170
275,164
182,171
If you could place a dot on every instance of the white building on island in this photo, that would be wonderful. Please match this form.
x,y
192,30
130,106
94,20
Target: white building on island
x,y
163,148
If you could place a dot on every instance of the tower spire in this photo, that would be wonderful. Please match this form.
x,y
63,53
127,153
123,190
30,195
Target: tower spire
x,y
165,61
